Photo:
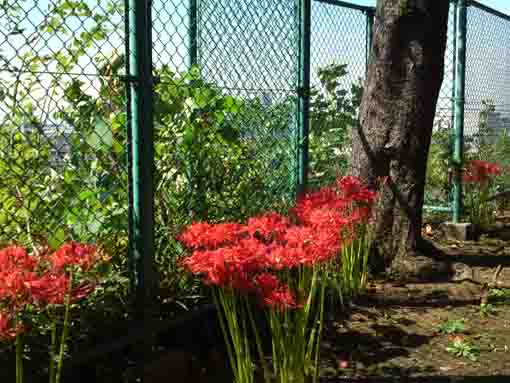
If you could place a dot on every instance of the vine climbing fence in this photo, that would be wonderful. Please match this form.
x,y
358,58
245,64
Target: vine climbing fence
x,y
123,121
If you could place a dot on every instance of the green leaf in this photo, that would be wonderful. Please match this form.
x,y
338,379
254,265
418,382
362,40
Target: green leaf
x,y
57,238
101,135
118,147
85,195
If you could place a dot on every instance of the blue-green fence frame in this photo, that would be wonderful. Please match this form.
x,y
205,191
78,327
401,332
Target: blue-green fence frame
x,y
142,81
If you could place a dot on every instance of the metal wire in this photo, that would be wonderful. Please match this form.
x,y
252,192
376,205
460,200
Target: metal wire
x,y
228,68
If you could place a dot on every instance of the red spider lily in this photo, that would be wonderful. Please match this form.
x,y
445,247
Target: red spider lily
x,y
16,258
16,268
281,299
321,219
325,199
74,254
231,256
304,246
478,171
49,289
266,282
229,267
82,291
209,263
7,331
53,288
360,214
13,286
202,235
273,293
352,188
326,245
299,235
282,257
268,226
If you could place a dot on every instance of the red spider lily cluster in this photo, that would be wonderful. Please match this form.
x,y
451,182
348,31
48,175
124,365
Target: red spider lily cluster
x,y
249,257
41,281
478,171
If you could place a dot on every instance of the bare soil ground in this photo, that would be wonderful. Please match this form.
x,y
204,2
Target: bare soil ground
x,y
393,333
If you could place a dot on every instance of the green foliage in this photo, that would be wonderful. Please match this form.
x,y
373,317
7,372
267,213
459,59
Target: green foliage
x,y
352,276
500,292
333,115
218,156
438,183
463,348
488,145
453,326
56,196
487,309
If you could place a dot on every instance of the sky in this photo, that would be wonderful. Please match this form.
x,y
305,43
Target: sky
x,y
500,5
265,61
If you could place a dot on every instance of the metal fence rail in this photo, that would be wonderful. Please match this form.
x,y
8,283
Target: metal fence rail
x,y
225,108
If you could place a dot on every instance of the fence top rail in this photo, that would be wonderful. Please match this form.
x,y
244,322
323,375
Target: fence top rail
x,y
488,9
344,4
369,9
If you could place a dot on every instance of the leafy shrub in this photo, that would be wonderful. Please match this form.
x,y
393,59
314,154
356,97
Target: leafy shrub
x,y
333,114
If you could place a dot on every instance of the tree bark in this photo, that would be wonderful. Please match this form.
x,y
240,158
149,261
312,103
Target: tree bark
x,y
396,118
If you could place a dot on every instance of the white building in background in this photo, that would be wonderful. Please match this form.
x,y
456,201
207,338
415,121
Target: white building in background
x,y
57,135
498,123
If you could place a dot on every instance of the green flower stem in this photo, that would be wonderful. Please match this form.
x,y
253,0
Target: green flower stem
x,y
319,334
53,346
267,376
19,358
65,331
296,333
221,319
233,322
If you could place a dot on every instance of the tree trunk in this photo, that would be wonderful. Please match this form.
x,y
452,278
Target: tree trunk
x,y
396,118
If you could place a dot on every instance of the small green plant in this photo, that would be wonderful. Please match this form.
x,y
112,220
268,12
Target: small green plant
x,y
500,293
452,326
463,348
487,309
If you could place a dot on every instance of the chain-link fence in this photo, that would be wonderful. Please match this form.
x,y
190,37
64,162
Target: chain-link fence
x,y
228,85
62,123
339,41
487,100
63,138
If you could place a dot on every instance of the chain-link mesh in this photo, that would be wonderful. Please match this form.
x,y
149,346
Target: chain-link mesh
x,y
63,163
439,181
225,114
225,111
338,67
487,100
62,123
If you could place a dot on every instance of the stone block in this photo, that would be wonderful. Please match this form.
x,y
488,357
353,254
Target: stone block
x,y
460,231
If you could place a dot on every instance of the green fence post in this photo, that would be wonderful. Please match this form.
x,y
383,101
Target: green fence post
x,y
142,162
369,35
460,77
305,19
193,32
192,60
